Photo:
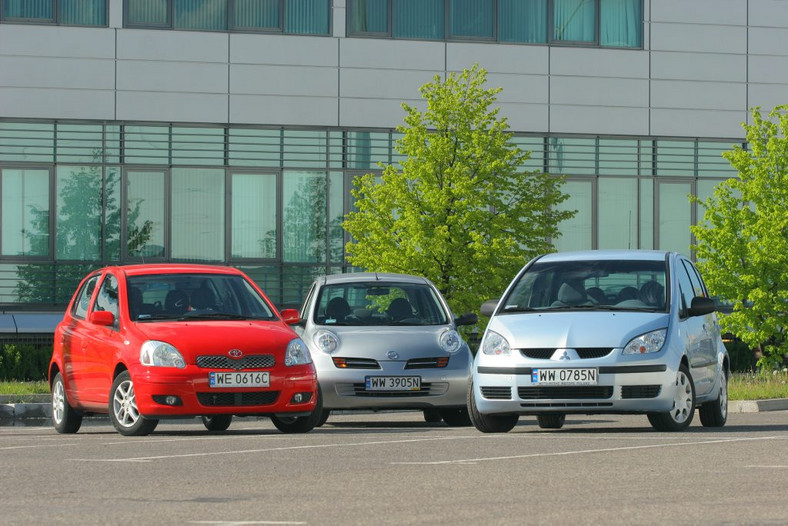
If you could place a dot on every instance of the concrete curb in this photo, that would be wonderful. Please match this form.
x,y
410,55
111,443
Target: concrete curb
x,y
22,411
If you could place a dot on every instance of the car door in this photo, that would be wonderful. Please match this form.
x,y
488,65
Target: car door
x,y
72,337
694,330
102,343
709,331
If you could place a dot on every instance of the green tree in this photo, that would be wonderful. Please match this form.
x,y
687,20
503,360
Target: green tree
x,y
460,210
742,244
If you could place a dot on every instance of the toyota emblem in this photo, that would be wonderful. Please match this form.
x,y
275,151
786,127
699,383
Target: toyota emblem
x,y
235,353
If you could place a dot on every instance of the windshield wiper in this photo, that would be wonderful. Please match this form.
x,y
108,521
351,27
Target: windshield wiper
x,y
516,308
217,316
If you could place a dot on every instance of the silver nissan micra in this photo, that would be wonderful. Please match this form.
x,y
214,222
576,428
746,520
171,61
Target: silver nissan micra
x,y
601,332
387,341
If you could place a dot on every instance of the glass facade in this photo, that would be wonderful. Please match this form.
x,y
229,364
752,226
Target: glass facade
x,y
77,196
63,12
608,23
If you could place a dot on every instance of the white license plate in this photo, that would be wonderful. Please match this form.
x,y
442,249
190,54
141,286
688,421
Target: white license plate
x,y
393,383
589,376
221,379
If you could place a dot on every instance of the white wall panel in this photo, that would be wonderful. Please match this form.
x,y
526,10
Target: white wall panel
x,y
384,83
769,13
179,46
526,117
186,77
283,80
599,62
37,103
767,96
529,89
723,96
284,50
171,107
697,123
50,72
698,38
372,113
278,110
598,120
730,12
768,40
769,70
57,41
498,58
670,65
392,54
591,91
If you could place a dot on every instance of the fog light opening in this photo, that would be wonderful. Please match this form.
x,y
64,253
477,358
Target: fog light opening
x,y
301,398
170,400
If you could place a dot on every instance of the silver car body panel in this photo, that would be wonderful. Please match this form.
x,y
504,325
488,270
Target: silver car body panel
x,y
632,383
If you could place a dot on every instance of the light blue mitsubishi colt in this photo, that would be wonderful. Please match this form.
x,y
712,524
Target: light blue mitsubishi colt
x,y
601,332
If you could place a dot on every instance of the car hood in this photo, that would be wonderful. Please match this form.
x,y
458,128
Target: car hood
x,y
374,342
572,330
218,337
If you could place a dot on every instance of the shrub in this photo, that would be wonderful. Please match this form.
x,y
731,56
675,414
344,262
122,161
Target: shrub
x,y
24,362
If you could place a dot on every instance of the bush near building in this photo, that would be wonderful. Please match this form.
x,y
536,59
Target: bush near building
x,y
24,362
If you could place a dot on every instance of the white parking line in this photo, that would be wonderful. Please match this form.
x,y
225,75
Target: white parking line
x,y
583,451
240,523
268,450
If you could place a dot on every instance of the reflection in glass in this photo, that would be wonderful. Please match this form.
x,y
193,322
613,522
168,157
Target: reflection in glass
x,y
253,216
198,214
306,17
145,214
369,16
522,21
422,19
200,14
617,213
147,12
471,18
78,217
577,230
621,23
304,217
256,14
25,212
674,217
574,20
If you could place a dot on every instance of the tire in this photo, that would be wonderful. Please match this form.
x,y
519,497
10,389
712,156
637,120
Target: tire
x,y
123,411
323,417
715,413
489,423
456,417
65,418
680,416
300,424
551,420
217,422
432,416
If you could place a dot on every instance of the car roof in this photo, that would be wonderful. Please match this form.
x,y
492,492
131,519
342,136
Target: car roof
x,y
630,255
359,277
175,268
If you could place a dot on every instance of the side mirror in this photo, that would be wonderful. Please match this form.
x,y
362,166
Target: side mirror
x,y
488,307
102,317
468,318
701,306
290,316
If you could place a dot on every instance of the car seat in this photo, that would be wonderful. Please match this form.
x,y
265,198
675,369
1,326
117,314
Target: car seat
x,y
627,293
652,293
570,294
203,299
597,294
400,309
176,302
337,309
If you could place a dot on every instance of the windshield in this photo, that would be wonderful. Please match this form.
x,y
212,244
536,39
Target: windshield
x,y
159,297
590,285
377,303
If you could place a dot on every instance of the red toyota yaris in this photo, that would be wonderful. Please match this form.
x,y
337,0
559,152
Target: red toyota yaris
x,y
144,342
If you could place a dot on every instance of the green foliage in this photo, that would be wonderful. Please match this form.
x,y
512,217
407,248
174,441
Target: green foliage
x,y
460,210
742,244
24,362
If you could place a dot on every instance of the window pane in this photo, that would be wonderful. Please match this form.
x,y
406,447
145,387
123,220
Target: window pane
x,y
617,213
250,147
201,146
621,23
198,214
112,211
572,156
78,218
25,218
200,14
38,10
574,20
253,216
256,14
83,12
336,215
711,163
147,144
618,157
147,12
23,141
576,232
145,214
304,217
418,19
647,214
676,158
366,149
522,20
79,143
472,18
674,217
534,145
306,16
304,149
369,16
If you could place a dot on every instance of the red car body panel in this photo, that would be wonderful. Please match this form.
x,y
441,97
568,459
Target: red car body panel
x,y
89,355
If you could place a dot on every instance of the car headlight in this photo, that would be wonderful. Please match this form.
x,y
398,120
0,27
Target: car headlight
x,y
297,353
647,343
495,344
154,353
450,341
326,341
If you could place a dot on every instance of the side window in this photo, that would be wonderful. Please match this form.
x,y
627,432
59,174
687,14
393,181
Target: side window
x,y
687,292
697,283
80,309
107,298
304,314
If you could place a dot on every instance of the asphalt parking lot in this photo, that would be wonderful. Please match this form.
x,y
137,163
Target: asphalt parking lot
x,y
394,468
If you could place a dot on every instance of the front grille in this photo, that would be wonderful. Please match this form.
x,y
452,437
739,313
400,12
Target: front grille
x,y
640,391
569,392
359,390
583,353
496,393
251,361
427,363
238,399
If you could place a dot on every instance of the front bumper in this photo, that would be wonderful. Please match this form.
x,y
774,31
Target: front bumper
x,y
621,388
153,385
